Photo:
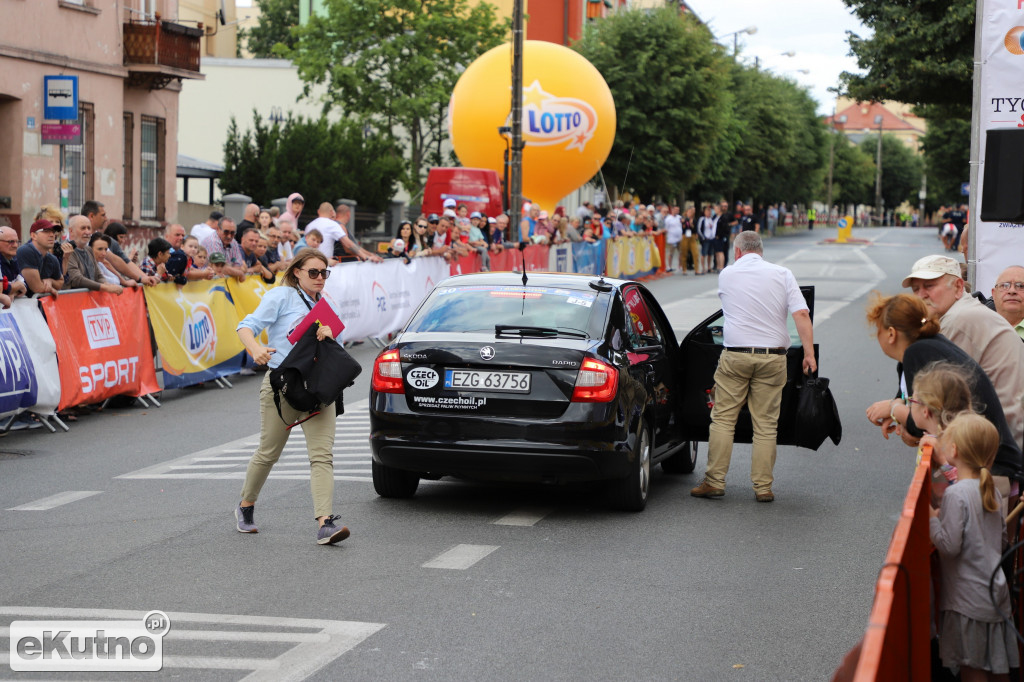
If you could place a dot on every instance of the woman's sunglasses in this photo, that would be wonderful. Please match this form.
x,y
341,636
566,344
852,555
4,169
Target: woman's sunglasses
x,y
316,274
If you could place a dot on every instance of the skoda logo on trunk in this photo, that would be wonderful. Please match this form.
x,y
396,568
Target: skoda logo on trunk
x,y
486,353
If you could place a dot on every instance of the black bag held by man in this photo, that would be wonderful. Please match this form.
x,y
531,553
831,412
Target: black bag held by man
x,y
313,374
817,416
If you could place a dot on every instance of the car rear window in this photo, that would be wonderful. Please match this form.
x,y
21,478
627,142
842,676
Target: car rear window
x,y
481,307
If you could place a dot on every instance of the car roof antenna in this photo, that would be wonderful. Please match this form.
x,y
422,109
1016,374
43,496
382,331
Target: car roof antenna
x,y
600,284
522,253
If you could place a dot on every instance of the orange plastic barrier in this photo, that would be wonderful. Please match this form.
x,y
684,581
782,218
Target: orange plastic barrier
x,y
659,240
896,645
103,345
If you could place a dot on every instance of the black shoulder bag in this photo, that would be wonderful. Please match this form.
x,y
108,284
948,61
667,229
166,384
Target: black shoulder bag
x,y
313,375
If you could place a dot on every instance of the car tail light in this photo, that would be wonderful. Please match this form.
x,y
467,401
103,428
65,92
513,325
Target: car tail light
x,y
597,382
387,373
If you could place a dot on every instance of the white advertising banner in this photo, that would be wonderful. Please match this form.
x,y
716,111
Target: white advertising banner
x,y
43,352
560,258
999,245
375,299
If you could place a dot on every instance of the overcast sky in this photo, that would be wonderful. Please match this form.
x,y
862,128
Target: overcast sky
x,y
814,29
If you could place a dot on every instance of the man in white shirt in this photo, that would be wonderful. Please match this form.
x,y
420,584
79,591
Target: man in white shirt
x,y
673,224
202,231
757,296
327,225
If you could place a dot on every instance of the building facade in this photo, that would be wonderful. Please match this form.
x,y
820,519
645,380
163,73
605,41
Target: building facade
x,y
129,57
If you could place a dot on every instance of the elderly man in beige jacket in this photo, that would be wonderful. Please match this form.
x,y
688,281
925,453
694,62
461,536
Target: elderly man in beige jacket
x,y
982,333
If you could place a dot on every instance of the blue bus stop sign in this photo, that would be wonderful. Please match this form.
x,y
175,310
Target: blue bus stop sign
x,y
965,189
61,98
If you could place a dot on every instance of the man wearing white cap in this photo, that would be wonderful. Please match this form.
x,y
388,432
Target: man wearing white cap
x,y
982,333
449,203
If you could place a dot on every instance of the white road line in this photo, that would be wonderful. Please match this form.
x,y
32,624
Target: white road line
x,y
460,557
526,516
56,500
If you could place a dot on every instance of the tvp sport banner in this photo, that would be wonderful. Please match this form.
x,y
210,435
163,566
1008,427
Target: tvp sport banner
x,y
103,344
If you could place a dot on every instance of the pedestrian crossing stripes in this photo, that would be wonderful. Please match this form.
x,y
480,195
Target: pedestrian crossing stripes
x,y
228,461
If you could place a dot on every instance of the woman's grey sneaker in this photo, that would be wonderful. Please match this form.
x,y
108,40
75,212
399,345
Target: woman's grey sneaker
x,y
244,519
328,533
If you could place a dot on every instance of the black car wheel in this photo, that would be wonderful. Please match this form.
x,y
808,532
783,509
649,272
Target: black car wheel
x,y
391,482
630,493
683,461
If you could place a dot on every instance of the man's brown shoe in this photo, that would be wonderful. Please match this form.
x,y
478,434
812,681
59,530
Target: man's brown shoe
x,y
705,490
765,497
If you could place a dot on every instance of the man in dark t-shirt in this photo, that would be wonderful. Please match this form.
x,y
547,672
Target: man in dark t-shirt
x,y
748,223
39,267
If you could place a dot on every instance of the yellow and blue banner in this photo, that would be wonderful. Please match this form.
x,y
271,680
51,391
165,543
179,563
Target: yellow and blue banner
x,y
194,327
632,257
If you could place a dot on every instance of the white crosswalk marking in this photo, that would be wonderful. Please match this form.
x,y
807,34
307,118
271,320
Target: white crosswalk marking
x,y
229,460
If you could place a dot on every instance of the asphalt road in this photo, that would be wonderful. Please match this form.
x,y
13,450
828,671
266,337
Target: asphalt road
x,y
469,581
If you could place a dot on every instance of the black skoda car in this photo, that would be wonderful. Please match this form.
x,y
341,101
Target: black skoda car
x,y
559,378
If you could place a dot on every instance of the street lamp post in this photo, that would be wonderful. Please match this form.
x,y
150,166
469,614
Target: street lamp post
x,y
516,170
749,30
878,173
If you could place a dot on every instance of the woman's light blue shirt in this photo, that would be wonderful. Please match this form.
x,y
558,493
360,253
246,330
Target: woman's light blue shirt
x,y
279,313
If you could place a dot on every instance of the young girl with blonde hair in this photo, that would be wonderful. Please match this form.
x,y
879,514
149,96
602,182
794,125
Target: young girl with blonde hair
x,y
968,533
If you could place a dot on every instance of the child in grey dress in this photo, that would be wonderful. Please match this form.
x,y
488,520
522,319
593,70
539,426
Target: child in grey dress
x,y
969,533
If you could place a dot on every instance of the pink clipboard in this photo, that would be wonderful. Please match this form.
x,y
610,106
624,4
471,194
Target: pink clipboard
x,y
323,313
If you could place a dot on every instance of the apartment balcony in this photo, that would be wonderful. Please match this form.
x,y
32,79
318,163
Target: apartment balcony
x,y
158,52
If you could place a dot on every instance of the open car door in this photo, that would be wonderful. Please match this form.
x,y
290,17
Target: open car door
x,y
699,353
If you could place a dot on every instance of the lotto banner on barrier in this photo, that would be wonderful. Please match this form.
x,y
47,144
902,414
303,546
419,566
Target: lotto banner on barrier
x,y
375,299
102,345
42,352
632,257
194,327
18,386
248,294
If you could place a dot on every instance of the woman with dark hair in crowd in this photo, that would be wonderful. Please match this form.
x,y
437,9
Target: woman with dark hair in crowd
x,y
116,231
280,310
99,243
419,244
403,243
908,332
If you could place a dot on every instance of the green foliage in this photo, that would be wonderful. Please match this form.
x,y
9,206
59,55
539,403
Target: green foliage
x,y
392,65
783,148
920,52
670,86
947,152
277,17
325,161
901,170
853,174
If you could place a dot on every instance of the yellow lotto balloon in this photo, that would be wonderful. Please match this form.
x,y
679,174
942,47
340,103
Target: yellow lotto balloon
x,y
568,118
